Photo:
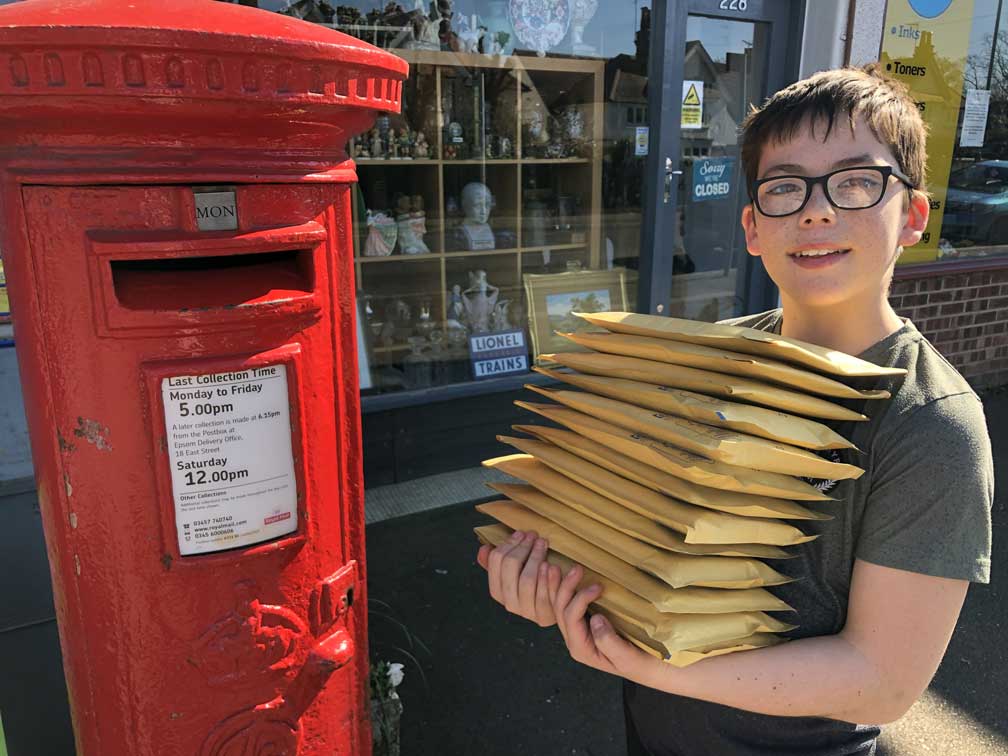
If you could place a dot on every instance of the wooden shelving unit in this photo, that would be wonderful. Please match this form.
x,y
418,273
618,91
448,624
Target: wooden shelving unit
x,y
520,81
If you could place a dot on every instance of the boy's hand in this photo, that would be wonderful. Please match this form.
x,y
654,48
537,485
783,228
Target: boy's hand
x,y
517,577
595,644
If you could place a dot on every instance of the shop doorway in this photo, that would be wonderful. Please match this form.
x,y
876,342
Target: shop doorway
x,y
718,58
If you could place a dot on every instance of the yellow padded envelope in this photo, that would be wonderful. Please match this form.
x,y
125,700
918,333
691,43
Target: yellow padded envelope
x,y
677,462
675,631
740,339
709,410
698,525
704,382
726,582
744,505
603,509
726,446
720,361
643,558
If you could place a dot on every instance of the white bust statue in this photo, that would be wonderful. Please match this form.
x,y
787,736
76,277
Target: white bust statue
x,y
477,201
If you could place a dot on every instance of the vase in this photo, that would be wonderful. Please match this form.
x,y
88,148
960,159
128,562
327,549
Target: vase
x,y
582,11
497,25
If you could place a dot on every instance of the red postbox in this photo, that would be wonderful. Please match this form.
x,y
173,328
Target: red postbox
x,y
176,236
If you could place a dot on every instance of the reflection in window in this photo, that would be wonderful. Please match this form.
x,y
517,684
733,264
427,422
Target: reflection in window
x,y
975,221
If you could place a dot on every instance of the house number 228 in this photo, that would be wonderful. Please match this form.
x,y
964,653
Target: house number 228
x,y
734,5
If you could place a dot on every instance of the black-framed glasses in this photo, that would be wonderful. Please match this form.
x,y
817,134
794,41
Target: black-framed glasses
x,y
845,189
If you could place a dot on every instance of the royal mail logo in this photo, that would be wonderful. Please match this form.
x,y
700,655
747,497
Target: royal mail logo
x,y
276,518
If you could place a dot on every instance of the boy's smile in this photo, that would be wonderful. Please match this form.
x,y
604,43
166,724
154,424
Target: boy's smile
x,y
813,258
833,265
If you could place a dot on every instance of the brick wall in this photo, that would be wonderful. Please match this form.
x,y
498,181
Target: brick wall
x,y
965,316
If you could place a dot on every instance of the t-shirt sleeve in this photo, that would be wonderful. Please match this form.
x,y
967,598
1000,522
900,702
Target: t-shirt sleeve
x,y
929,506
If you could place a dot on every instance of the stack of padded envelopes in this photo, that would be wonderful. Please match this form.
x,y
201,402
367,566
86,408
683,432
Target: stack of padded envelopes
x,y
675,469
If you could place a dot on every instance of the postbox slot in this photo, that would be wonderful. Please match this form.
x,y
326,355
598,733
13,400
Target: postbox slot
x,y
233,280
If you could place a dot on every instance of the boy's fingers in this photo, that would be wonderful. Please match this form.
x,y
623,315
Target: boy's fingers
x,y
577,607
579,637
553,583
529,579
483,556
511,567
543,605
563,596
617,652
494,565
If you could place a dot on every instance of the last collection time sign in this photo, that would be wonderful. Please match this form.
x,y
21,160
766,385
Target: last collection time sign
x,y
232,463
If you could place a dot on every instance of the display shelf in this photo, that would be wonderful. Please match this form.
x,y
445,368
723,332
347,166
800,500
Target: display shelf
x,y
396,162
556,161
494,95
390,349
482,253
400,258
554,247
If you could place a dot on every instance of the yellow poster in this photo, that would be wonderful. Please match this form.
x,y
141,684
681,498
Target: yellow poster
x,y
692,105
924,45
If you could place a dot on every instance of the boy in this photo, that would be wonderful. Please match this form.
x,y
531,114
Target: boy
x,y
835,164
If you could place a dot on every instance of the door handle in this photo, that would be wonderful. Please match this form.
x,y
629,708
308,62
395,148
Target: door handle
x,y
669,173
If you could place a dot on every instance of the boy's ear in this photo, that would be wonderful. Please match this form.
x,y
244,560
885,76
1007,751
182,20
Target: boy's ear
x,y
917,215
751,235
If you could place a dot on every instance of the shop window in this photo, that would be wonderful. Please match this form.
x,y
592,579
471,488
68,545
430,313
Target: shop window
x,y
508,191
969,207
975,222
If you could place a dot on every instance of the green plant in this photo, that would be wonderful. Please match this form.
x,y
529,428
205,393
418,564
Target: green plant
x,y
379,611
385,676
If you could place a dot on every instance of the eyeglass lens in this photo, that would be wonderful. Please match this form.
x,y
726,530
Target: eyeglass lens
x,y
850,190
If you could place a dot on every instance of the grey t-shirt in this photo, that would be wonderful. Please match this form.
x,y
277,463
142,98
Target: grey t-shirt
x,y
923,505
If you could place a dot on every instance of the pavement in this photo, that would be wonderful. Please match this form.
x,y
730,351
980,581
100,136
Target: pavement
x,y
481,682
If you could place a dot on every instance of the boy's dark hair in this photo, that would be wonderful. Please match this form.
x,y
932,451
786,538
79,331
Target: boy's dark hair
x,y
884,103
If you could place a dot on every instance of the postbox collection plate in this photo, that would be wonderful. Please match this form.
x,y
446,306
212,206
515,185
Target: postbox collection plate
x,y
216,211
232,465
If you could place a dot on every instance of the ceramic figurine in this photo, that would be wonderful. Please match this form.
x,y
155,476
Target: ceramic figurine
x,y
537,131
412,225
377,151
426,29
405,142
479,301
498,28
470,35
421,149
477,202
582,11
456,310
499,317
425,325
382,234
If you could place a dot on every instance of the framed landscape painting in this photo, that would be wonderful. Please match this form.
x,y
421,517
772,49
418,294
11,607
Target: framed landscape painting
x,y
553,298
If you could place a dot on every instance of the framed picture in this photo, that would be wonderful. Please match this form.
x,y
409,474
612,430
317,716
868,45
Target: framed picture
x,y
552,297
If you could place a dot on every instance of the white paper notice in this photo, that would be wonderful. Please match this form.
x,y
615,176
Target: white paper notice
x,y
974,125
232,467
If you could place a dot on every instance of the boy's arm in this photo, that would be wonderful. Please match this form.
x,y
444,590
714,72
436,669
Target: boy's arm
x,y
898,627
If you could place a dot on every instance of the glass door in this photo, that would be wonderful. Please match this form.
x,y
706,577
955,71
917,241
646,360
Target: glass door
x,y
720,58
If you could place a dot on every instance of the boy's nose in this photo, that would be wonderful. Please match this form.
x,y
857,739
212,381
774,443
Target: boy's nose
x,y
817,209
